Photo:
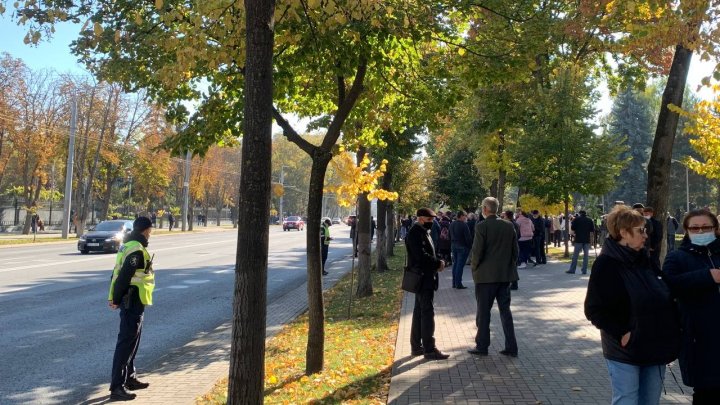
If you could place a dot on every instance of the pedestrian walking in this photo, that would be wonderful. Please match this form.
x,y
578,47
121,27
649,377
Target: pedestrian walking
x,y
671,229
538,237
527,230
421,255
325,243
655,237
556,230
171,221
461,243
582,226
633,308
494,267
692,273
131,290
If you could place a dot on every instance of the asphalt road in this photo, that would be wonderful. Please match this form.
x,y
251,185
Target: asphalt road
x,y
57,334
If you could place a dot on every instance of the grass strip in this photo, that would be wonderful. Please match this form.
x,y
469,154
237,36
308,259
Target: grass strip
x,y
25,241
359,350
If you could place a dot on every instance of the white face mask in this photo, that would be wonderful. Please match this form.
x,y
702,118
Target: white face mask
x,y
648,216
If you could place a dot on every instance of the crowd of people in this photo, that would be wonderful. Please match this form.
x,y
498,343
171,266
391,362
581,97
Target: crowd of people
x,y
649,314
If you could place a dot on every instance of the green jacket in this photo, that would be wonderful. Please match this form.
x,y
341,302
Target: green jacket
x,y
494,252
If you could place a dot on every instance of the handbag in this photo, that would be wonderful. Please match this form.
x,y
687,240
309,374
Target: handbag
x,y
412,277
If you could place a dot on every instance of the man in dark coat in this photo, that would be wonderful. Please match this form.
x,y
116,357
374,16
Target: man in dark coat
x,y
582,226
539,237
494,267
655,237
421,255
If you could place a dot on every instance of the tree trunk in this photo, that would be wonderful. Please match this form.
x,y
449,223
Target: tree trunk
x,y
315,354
364,282
502,174
567,226
218,211
381,247
493,189
658,187
108,194
392,230
247,351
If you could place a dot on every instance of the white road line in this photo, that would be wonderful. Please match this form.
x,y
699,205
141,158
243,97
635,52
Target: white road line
x,y
87,259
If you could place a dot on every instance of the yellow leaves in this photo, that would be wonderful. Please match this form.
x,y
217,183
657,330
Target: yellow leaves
x,y
159,4
356,180
461,51
278,190
705,127
97,29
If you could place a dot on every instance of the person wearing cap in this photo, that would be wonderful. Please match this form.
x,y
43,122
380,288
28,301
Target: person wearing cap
x,y
131,289
640,208
421,255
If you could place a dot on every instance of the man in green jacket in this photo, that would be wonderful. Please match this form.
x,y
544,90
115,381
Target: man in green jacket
x,y
494,267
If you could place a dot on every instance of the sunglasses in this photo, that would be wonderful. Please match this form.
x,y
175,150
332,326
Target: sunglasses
x,y
697,229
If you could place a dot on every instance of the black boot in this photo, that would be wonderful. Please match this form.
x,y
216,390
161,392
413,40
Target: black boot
x,y
134,384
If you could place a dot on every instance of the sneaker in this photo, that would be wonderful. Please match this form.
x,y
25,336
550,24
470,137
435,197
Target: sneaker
x,y
522,266
436,355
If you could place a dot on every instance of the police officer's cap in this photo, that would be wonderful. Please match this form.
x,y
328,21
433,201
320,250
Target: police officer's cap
x,y
425,212
141,224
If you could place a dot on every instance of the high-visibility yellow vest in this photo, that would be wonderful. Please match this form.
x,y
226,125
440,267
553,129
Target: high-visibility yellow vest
x,y
143,279
326,233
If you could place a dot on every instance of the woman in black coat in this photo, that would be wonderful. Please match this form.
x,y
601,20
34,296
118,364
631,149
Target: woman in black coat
x,y
632,307
693,276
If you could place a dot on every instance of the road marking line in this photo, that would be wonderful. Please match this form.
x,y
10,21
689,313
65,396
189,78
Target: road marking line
x,y
87,259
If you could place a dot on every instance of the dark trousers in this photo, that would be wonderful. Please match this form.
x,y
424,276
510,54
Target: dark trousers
x,y
670,242
485,295
525,250
557,237
423,322
709,396
131,320
540,249
325,249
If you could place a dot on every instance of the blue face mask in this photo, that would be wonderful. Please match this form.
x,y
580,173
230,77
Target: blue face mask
x,y
702,239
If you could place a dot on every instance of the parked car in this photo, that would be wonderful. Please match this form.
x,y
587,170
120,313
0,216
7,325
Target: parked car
x,y
336,221
293,223
107,236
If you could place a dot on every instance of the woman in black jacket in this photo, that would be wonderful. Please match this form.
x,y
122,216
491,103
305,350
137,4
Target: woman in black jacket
x,y
632,307
693,276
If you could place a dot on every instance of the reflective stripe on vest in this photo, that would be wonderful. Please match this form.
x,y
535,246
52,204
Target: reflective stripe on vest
x,y
143,279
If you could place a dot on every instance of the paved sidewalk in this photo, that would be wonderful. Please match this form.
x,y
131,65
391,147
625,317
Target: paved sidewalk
x,y
188,372
560,359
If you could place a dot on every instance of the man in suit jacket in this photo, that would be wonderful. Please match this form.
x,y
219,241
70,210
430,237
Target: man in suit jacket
x,y
421,255
494,267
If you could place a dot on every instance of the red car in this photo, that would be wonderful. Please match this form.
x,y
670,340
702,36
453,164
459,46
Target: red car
x,y
293,223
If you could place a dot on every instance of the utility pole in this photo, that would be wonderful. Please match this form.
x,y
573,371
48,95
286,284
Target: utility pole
x,y
282,183
69,171
186,190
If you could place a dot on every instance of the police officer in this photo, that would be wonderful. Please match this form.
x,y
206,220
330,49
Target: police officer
x,y
325,243
131,289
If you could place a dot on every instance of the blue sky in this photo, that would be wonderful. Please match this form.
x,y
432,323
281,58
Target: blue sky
x,y
55,54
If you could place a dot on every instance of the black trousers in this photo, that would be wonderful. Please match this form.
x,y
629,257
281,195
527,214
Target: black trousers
x,y
540,249
325,249
131,321
709,396
485,295
422,330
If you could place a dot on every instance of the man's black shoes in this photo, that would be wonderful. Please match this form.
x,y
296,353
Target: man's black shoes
x,y
121,394
133,384
436,355
461,287
478,352
418,352
325,273
508,353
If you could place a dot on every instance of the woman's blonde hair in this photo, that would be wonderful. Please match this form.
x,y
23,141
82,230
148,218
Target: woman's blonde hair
x,y
623,217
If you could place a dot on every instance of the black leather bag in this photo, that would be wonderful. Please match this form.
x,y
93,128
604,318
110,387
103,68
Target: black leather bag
x,y
412,280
